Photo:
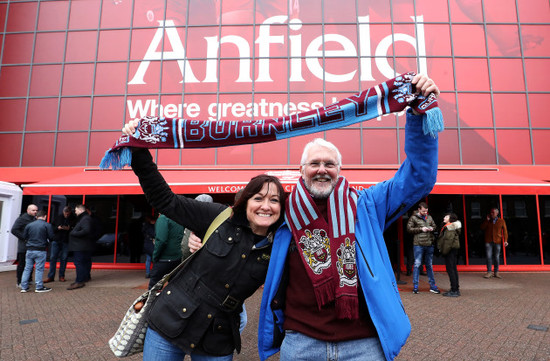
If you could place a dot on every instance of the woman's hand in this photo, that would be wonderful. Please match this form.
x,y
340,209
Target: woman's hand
x,y
194,243
425,85
130,127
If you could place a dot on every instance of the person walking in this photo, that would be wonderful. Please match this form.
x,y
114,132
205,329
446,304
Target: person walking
x,y
496,235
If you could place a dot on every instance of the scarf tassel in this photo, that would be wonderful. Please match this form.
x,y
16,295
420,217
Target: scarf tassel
x,y
432,122
116,158
347,307
324,293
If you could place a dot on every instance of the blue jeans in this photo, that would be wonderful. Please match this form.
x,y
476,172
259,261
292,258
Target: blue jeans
x,y
58,250
428,253
299,347
38,257
493,253
157,348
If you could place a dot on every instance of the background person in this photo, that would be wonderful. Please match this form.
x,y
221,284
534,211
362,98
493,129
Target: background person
x,y
38,234
167,251
448,243
422,225
496,234
81,243
59,247
17,230
148,230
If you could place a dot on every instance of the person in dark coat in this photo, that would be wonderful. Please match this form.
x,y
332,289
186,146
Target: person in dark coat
x,y
148,230
59,248
17,230
81,243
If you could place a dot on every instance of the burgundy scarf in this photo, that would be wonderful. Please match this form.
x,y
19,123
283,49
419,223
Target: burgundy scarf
x,y
391,96
328,248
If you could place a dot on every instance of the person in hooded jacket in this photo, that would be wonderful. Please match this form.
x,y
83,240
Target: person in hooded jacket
x,y
448,243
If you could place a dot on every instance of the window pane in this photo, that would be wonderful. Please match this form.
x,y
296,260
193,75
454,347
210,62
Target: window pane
x,y
42,114
514,146
71,149
10,147
111,78
538,77
75,114
475,110
523,234
78,79
45,80
107,113
113,45
478,146
49,47
99,143
475,46
538,104
271,153
81,46
534,41
22,17
14,81
379,146
510,110
14,110
540,145
500,11
17,48
466,11
503,40
84,15
53,15
500,75
536,11
348,142
471,74
544,205
449,152
432,10
116,14
38,150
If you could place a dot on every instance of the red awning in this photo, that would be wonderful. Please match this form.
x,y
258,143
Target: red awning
x,y
491,180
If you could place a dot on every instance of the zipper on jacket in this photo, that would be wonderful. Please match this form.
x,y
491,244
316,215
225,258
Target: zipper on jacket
x,y
366,262
399,210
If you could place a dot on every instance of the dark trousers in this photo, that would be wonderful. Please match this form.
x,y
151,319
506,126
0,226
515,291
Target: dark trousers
x,y
450,265
82,262
21,261
160,268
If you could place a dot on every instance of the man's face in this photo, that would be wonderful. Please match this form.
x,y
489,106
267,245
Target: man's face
x,y
32,210
66,214
320,171
423,211
494,213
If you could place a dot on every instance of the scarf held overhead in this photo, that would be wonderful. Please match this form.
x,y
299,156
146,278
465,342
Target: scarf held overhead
x,y
391,96
327,247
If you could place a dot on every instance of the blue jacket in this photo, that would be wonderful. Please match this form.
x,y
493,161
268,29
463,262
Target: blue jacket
x,y
377,207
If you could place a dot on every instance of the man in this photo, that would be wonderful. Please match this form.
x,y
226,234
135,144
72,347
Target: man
x,y
422,225
330,288
81,243
17,230
496,234
38,234
59,248
167,252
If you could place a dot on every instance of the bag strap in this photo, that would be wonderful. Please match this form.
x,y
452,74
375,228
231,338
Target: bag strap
x,y
216,223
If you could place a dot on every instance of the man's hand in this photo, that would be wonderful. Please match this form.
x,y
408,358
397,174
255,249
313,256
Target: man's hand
x,y
195,243
425,85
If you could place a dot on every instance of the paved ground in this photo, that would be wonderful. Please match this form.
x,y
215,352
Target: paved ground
x,y
506,319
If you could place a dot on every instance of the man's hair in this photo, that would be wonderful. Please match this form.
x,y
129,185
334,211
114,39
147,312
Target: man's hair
x,y
41,214
67,209
422,205
322,143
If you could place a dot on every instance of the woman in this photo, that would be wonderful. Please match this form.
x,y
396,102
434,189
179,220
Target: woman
x,y
197,313
448,243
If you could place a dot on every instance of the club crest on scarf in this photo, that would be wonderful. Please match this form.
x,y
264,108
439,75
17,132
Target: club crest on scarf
x,y
316,249
345,263
152,130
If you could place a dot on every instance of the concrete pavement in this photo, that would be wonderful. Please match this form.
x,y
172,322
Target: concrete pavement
x,y
506,319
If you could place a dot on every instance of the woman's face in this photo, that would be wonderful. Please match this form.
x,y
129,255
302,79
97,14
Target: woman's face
x,y
446,219
263,209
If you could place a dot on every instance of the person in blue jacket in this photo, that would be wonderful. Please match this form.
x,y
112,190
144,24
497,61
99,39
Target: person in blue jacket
x,y
330,288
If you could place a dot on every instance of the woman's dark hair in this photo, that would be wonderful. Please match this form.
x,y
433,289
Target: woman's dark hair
x,y
452,217
254,186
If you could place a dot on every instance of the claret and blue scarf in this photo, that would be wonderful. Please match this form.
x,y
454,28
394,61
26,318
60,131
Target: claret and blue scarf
x,y
391,96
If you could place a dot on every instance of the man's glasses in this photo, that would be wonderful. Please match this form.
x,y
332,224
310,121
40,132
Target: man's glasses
x,y
317,165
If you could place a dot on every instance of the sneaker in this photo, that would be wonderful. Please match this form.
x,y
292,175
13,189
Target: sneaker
x,y
496,275
488,275
452,294
415,291
24,290
18,285
435,290
43,289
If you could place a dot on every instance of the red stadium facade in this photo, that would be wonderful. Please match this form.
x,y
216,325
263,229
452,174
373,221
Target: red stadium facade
x,y
73,72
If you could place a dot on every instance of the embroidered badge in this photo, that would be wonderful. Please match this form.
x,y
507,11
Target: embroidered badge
x,y
152,130
346,263
316,250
